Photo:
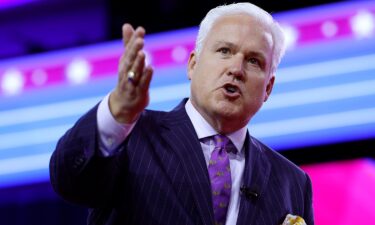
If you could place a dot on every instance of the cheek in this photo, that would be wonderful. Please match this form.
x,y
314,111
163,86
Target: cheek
x,y
199,85
202,78
256,90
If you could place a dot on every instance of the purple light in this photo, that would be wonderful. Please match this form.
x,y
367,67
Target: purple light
x,y
303,27
12,3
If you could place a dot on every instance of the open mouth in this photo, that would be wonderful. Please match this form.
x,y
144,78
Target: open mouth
x,y
231,89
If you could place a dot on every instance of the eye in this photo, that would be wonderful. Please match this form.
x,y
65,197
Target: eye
x,y
224,50
254,61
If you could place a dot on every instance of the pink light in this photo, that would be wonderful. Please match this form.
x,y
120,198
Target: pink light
x,y
311,32
344,192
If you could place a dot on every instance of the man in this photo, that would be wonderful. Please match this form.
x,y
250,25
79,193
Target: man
x,y
197,164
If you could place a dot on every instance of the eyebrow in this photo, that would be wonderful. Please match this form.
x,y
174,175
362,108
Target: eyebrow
x,y
234,46
225,43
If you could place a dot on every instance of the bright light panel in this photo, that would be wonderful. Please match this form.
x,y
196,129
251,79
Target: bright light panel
x,y
324,91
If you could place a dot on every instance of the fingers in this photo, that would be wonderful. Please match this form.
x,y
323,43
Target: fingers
x,y
145,79
134,45
143,74
138,66
127,31
133,58
131,96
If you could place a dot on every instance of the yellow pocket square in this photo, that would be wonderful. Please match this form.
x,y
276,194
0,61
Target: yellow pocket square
x,y
293,220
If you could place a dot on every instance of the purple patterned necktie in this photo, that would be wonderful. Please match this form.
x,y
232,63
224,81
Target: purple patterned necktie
x,y
221,182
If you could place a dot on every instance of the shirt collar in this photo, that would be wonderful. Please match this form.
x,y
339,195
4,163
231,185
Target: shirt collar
x,y
204,129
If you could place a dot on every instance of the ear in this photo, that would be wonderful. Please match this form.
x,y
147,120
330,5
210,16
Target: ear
x,y
191,64
269,87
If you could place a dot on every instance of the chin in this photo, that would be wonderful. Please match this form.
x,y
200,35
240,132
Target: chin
x,y
229,105
229,111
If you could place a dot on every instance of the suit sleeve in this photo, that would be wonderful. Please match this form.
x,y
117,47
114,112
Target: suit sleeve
x,y
78,172
309,213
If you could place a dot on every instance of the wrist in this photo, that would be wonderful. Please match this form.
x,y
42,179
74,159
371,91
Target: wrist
x,y
120,112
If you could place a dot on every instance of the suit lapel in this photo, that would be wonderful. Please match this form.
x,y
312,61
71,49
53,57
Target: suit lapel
x,y
181,136
256,176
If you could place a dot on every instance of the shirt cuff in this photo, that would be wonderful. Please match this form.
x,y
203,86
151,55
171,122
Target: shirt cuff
x,y
111,132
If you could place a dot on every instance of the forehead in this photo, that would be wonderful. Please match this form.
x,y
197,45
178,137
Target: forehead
x,y
243,30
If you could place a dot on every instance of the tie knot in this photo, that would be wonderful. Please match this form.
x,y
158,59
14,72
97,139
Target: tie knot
x,y
220,141
223,142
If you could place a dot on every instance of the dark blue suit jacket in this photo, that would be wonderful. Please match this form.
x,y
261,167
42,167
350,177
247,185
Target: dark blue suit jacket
x,y
159,176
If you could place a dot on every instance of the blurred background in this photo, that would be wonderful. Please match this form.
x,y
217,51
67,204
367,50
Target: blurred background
x,y
58,58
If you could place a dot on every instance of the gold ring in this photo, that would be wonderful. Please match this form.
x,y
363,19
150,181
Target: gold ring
x,y
131,76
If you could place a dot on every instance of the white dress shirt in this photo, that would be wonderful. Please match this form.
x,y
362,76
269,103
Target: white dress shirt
x,y
112,134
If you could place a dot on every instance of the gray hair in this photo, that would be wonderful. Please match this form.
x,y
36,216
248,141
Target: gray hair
x,y
254,11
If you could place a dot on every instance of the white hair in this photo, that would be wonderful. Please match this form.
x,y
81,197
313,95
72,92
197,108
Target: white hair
x,y
254,11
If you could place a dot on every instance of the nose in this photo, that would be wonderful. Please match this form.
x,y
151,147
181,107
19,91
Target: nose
x,y
236,68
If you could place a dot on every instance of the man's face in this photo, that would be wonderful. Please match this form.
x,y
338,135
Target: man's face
x,y
231,79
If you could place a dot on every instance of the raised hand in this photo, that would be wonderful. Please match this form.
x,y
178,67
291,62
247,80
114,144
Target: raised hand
x,y
131,95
